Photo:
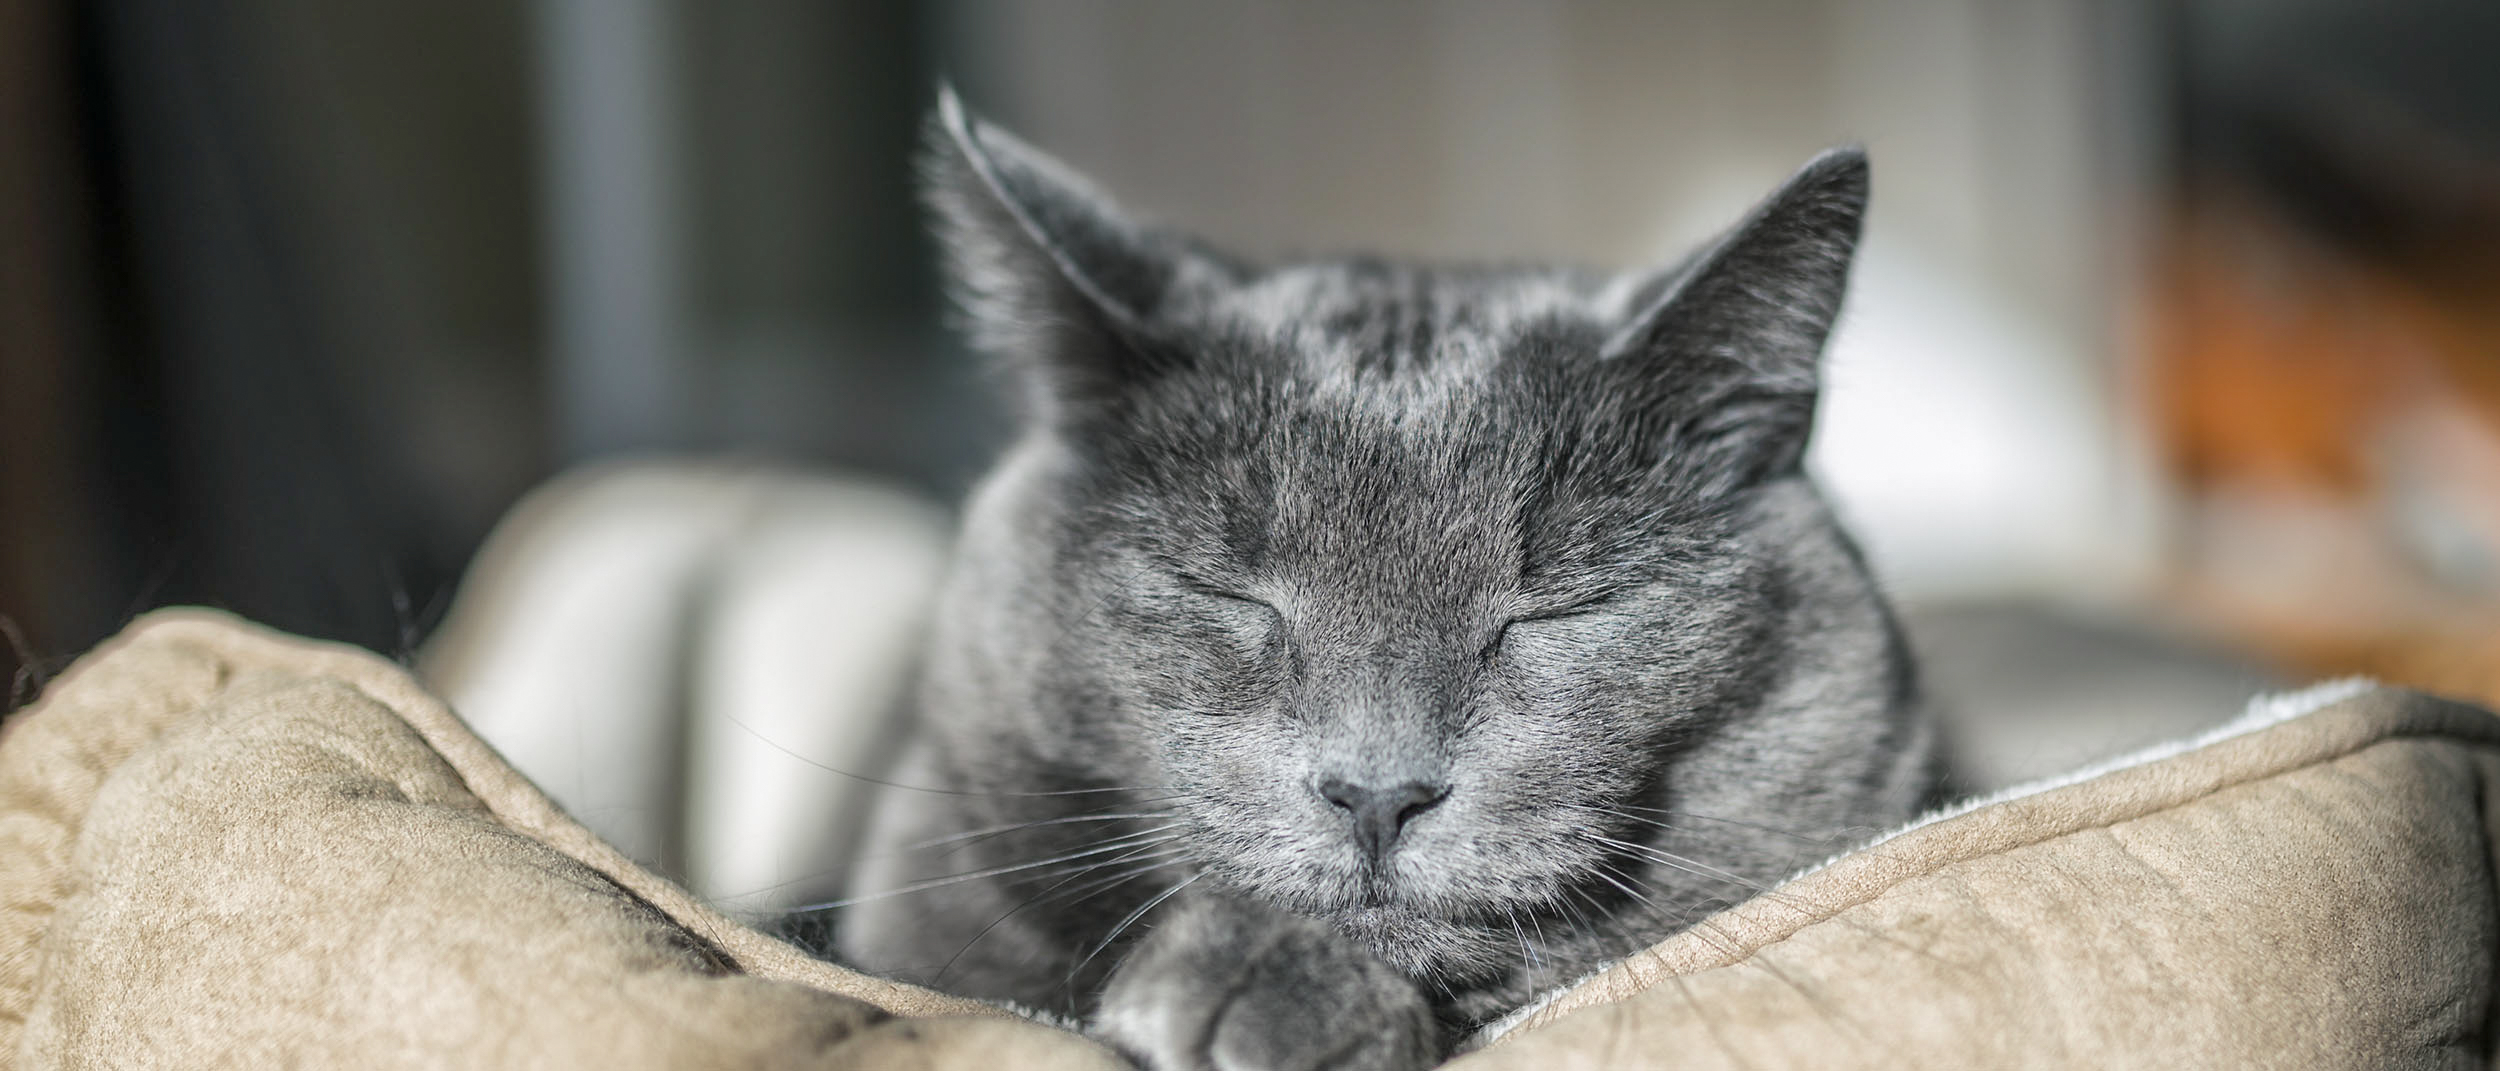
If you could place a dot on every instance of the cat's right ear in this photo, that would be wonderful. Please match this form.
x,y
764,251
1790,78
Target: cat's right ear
x,y
1049,275
1721,360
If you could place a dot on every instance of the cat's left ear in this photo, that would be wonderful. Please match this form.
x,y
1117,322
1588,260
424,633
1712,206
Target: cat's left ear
x,y
1721,355
1050,275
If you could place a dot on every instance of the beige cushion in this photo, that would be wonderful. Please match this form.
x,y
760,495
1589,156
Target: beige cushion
x,y
224,847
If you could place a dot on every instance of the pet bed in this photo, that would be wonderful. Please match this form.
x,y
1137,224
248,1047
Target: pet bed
x,y
220,846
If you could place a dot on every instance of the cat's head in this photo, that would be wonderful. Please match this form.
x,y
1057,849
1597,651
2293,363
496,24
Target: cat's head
x,y
1413,586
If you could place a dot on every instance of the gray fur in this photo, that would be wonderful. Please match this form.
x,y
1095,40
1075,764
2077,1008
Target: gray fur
x,y
1533,539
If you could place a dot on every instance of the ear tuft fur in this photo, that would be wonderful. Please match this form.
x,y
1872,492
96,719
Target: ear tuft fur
x,y
1738,331
1049,275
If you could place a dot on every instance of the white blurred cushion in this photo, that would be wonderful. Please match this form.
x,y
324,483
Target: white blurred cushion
x,y
697,659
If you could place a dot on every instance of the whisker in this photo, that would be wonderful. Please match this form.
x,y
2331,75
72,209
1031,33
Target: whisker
x,y
1020,826
777,745
1132,918
1162,858
1804,908
1526,954
935,883
1716,936
1579,917
1760,959
1605,873
1821,842
1089,889
1539,925
1683,863
1704,870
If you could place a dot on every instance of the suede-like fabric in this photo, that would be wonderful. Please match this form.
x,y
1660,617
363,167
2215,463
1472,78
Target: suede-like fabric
x,y
222,847
2318,893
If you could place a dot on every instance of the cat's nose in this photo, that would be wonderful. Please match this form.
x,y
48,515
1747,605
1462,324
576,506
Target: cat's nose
x,y
1379,813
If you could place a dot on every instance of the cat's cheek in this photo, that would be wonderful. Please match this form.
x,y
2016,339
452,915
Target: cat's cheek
x,y
1239,671
1210,683
1542,668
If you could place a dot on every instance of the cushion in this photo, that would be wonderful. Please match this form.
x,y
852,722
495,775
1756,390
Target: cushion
x,y
684,652
220,846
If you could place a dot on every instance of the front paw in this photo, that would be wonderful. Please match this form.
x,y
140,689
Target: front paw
x,y
1225,985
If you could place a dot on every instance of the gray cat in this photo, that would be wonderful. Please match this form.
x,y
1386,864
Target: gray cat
x,y
1350,651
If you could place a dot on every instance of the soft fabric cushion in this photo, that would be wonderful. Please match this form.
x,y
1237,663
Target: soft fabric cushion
x,y
686,654
224,847
221,847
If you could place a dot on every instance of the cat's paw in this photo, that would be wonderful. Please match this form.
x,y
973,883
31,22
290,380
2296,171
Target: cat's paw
x,y
1228,986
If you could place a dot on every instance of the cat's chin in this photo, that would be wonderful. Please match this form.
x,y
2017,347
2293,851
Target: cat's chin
x,y
1416,943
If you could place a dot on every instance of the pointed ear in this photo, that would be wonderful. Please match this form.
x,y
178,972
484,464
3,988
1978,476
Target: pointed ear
x,y
1721,354
1049,275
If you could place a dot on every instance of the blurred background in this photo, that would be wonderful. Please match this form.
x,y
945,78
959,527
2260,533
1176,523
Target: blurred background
x,y
2172,369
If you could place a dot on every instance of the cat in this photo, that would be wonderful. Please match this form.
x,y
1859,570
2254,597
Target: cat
x,y
1350,651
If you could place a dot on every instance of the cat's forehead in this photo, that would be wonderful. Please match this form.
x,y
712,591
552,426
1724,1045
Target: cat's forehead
x,y
1365,318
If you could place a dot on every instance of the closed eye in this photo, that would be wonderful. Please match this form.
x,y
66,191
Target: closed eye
x,y
1501,634
1246,611
1209,591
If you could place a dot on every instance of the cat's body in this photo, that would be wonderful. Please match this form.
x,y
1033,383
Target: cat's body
x,y
1350,651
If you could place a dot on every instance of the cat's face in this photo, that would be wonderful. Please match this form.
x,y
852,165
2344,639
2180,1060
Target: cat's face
x,y
1397,541
1406,591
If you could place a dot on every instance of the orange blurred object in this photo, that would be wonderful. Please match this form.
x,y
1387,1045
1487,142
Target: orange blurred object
x,y
2331,423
